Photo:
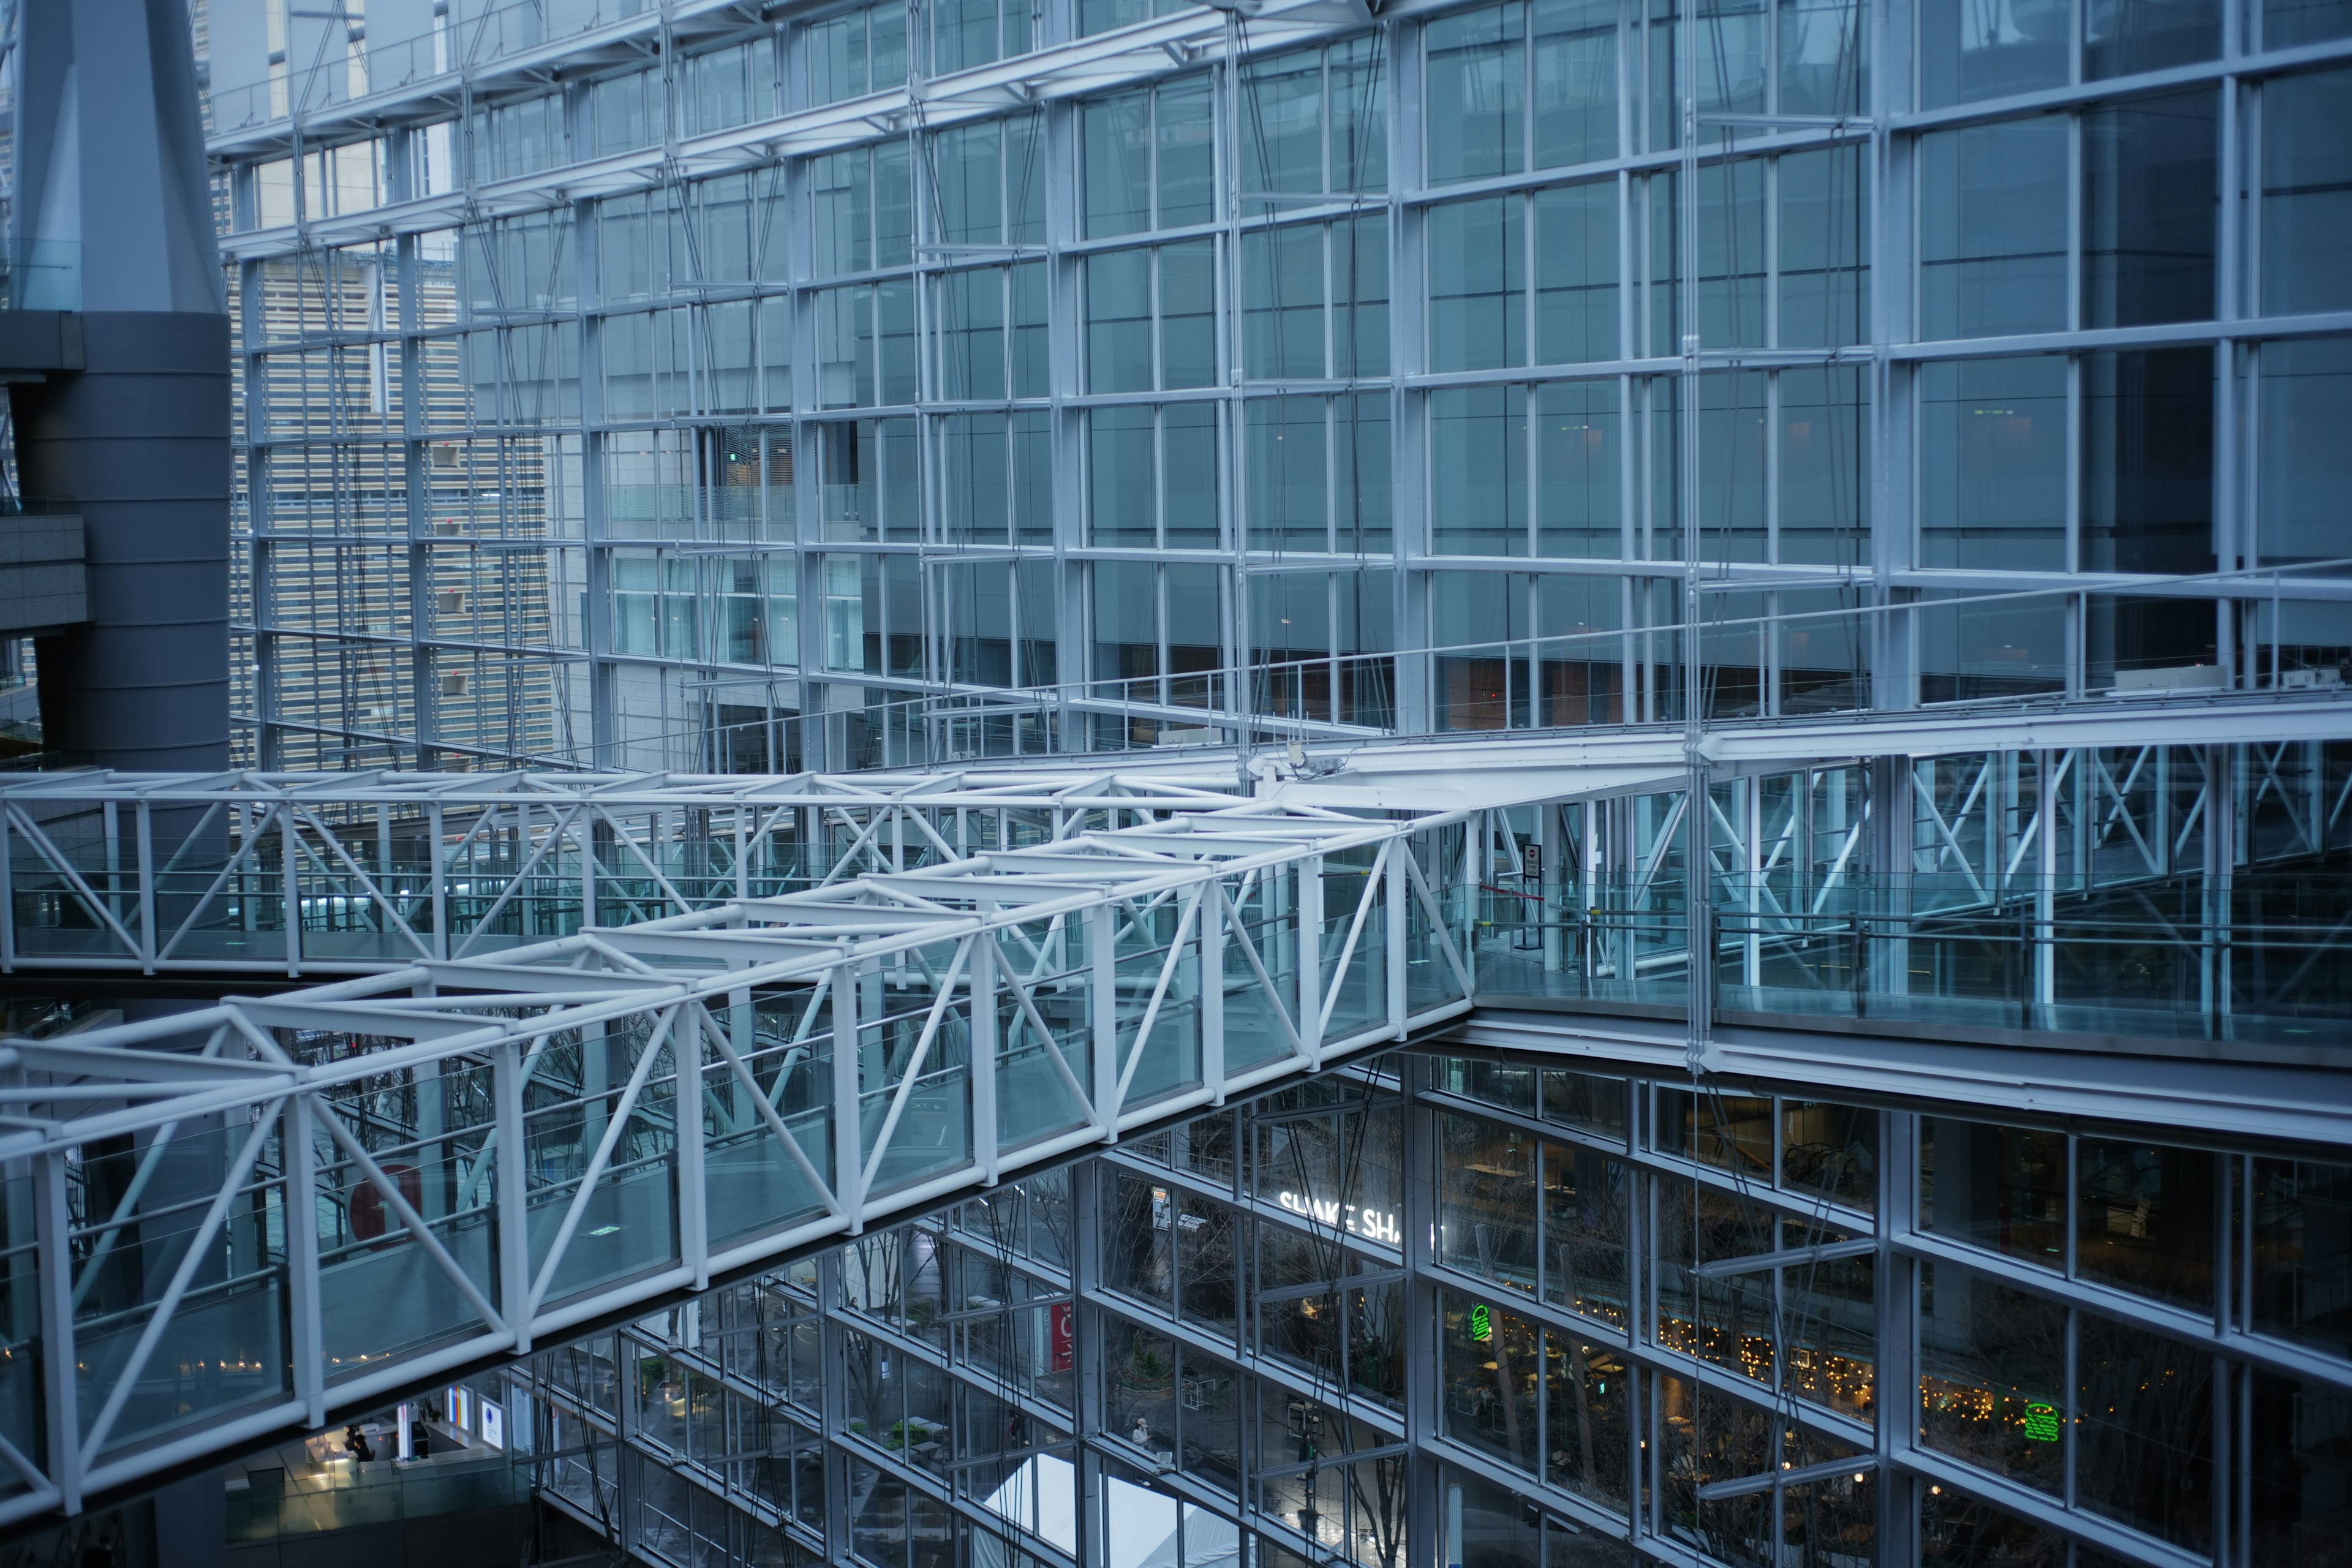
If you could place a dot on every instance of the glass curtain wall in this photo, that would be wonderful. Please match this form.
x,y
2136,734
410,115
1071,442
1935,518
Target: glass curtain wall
x,y
1462,1309
1459,336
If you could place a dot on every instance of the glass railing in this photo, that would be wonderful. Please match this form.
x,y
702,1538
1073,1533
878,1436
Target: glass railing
x,y
40,275
347,1494
478,38
2255,956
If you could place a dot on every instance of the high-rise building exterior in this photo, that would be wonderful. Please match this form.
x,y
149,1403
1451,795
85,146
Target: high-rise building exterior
x,y
619,384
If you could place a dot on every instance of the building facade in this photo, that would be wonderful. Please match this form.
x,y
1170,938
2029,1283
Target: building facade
x,y
1467,1311
994,380
734,388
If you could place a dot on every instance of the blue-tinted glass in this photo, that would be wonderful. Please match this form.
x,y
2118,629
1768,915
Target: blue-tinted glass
x,y
1120,472
2150,199
844,347
2305,462
1188,475
973,494
1476,686
1282,109
1578,675
1824,468
1992,464
2122,37
1575,46
2147,461
2009,647
1282,269
894,205
1359,440
1477,285
1974,49
1576,273
1478,470
1359,291
2307,223
1195,624
1823,222
901,482
2286,23
894,303
1358,115
842,193
1992,230
1126,618
1118,321
1578,455
1188,302
1033,477
1475,94
972,334
1734,462
1734,60
1187,147
1029,330
886,38
1822,70
1288,468
968,185
1118,134
1733,257
963,34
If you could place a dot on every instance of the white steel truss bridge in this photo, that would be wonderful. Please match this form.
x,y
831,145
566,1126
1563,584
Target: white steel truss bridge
x,y
234,1221
586,1041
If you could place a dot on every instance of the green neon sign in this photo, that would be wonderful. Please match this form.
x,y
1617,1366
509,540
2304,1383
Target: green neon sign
x,y
2041,1422
1482,1323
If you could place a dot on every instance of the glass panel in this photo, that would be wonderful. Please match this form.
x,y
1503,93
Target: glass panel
x,y
1992,455
2150,196
1992,230
1993,1375
2306,193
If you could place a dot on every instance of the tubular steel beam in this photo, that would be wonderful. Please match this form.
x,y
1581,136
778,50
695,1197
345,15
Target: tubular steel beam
x,y
457,1160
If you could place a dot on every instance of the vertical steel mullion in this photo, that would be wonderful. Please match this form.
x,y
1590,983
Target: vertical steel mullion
x,y
290,876
1102,1014
1213,989
438,873
1310,956
8,899
511,1194
1398,909
147,879
686,1046
60,1368
848,1133
981,969
307,1327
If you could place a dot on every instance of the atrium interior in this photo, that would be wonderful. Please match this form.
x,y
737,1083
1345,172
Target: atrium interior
x,y
1176,783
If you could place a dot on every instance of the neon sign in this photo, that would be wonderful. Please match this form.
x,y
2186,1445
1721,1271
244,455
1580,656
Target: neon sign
x,y
1482,1323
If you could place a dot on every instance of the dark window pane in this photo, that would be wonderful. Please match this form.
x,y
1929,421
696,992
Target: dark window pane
x,y
2302,1252
2149,201
2302,1472
2121,38
2144,1219
2147,461
2306,228
2002,1187
1993,1375
1992,230
2144,1453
